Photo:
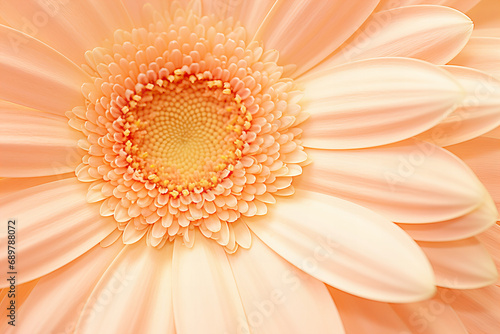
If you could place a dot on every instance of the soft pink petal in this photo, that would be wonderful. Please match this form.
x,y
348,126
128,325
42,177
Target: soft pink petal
x,y
461,5
306,32
134,295
479,309
375,102
482,155
70,27
482,53
466,226
478,114
346,246
205,295
35,143
432,33
434,316
55,303
411,182
36,76
280,298
460,264
486,18
56,225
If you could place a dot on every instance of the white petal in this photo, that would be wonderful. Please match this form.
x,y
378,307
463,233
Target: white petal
x,y
461,264
432,33
375,102
280,298
478,114
346,246
134,295
411,182
205,296
54,225
36,76
55,303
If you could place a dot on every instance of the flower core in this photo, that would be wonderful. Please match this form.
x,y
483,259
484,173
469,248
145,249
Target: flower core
x,y
187,127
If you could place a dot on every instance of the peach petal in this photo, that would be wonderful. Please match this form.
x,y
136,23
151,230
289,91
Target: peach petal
x,y
302,31
28,65
410,182
137,287
278,297
482,53
461,5
56,225
346,246
432,33
213,301
365,104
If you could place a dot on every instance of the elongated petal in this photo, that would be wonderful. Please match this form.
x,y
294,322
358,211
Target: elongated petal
x,y
482,53
251,14
11,185
56,225
346,246
35,143
461,264
479,309
134,9
361,315
483,157
411,182
137,290
478,114
376,102
432,33
48,308
461,5
70,27
306,32
278,297
485,17
433,316
204,290
36,76
466,226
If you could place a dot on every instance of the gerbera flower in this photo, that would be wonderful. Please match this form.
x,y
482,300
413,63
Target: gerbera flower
x,y
246,166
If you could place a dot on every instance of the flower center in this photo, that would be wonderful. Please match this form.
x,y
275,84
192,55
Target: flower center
x,y
184,132
187,128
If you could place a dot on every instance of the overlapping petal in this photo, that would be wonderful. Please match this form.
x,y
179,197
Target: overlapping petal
x,y
346,246
70,27
478,114
410,182
278,297
56,225
431,33
28,65
375,102
306,32
35,143
200,274
139,276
